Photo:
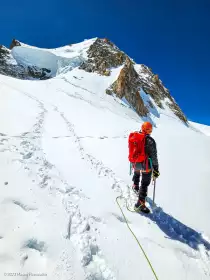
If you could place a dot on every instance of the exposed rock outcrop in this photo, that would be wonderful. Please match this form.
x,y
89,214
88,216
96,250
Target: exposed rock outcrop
x,y
177,111
127,85
4,53
14,43
38,73
102,56
152,85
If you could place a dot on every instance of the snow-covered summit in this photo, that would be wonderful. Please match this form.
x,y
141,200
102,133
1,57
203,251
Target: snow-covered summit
x,y
99,56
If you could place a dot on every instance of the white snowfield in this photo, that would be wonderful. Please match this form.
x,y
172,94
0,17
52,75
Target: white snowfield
x,y
205,129
63,162
59,60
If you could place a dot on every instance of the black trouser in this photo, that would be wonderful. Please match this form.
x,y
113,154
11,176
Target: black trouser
x,y
145,181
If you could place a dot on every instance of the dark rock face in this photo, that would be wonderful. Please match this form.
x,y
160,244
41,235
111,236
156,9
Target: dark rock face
x,y
127,85
177,111
152,85
102,56
4,53
14,43
9,67
38,73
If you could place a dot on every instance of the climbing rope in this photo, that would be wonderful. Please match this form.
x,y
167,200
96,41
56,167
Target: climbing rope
x,y
139,244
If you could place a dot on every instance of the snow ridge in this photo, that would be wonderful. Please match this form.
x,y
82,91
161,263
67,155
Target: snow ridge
x,y
45,59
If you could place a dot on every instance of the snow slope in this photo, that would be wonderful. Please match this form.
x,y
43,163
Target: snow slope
x,y
57,60
63,145
205,129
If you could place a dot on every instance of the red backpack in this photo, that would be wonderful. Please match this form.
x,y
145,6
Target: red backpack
x,y
136,145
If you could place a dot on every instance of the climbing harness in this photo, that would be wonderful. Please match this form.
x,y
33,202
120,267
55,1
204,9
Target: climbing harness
x,y
139,244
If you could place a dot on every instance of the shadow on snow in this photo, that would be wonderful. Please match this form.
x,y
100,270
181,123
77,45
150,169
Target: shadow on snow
x,y
176,230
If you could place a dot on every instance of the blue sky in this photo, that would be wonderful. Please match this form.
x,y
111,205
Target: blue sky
x,y
170,36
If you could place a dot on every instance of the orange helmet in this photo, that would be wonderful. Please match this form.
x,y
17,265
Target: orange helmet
x,y
146,127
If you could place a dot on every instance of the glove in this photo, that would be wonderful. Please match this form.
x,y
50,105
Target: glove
x,y
156,173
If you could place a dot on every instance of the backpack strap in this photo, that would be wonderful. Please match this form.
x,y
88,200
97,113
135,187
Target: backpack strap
x,y
146,162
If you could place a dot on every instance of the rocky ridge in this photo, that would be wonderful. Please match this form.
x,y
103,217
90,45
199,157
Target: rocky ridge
x,y
103,55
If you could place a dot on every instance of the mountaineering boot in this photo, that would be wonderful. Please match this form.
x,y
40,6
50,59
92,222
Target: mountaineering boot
x,y
135,189
141,207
